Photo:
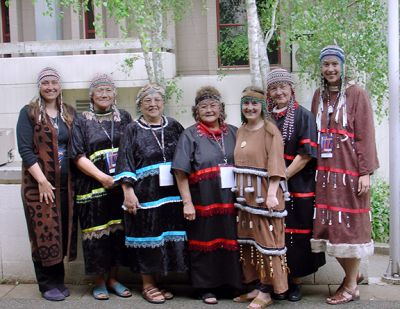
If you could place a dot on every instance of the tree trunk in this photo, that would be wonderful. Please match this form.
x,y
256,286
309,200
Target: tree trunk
x,y
156,40
253,37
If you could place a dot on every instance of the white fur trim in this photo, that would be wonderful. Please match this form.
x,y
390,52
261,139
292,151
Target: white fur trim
x,y
261,211
357,251
249,189
239,170
241,199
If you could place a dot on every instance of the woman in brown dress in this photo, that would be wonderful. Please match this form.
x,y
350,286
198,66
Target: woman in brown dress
x,y
346,159
259,168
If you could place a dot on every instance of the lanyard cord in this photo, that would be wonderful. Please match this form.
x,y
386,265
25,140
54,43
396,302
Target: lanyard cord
x,y
111,138
160,144
331,109
221,145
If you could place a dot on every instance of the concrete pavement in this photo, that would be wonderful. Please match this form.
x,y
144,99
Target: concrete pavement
x,y
374,295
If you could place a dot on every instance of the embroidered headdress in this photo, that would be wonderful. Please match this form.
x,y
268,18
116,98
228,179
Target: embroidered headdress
x,y
97,81
49,72
278,76
147,90
253,94
336,51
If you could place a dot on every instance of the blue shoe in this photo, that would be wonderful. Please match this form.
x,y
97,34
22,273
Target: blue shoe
x,y
119,289
65,291
53,295
100,292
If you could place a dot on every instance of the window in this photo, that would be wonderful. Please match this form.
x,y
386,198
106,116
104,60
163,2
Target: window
x,y
5,20
233,50
89,20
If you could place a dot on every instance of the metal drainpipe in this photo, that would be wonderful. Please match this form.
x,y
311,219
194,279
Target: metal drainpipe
x,y
393,272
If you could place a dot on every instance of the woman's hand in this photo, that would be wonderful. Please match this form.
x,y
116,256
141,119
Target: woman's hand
x,y
272,202
107,181
131,201
363,184
46,191
189,213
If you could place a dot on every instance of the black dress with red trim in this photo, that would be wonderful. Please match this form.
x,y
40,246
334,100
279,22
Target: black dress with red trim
x,y
300,208
213,248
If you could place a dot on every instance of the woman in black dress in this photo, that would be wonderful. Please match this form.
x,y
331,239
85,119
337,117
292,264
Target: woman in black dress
x,y
153,219
95,139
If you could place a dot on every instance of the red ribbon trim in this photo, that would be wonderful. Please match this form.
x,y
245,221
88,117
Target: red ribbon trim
x,y
215,209
218,243
298,231
336,131
337,170
305,194
202,174
308,141
349,210
288,157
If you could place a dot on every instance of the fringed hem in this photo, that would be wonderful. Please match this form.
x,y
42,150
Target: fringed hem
x,y
342,250
261,249
106,231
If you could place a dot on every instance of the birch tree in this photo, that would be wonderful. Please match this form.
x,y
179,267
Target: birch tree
x,y
148,18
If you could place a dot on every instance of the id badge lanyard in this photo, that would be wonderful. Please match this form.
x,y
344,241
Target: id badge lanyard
x,y
226,170
111,157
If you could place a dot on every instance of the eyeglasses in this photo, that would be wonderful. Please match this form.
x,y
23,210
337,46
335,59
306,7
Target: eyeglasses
x,y
108,91
205,105
148,101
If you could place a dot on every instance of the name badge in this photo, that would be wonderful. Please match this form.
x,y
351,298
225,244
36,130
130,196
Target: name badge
x,y
326,145
111,160
227,176
165,176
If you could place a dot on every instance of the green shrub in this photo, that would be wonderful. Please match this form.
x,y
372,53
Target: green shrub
x,y
380,209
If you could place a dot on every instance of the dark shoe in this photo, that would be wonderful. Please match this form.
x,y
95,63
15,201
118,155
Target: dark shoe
x,y
53,295
281,296
294,293
209,299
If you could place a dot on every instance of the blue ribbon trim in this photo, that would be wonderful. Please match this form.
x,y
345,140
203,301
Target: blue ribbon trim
x,y
165,200
125,175
155,241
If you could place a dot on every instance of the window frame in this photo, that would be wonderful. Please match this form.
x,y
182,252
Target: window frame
x,y
243,66
5,22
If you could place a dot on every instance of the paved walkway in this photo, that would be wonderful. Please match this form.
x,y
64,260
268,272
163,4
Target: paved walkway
x,y
374,295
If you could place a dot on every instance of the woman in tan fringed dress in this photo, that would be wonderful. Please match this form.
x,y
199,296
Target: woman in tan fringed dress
x,y
346,159
259,168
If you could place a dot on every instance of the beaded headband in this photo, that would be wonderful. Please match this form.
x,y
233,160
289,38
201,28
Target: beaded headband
x,y
208,97
332,50
279,76
147,90
253,94
46,72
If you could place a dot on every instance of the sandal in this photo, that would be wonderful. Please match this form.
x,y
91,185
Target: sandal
x,y
344,296
209,298
120,290
360,278
259,303
100,292
167,294
152,295
244,298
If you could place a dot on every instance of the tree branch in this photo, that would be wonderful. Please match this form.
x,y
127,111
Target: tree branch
x,y
271,31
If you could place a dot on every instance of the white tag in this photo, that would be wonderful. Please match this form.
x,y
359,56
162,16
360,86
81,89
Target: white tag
x,y
227,176
165,176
